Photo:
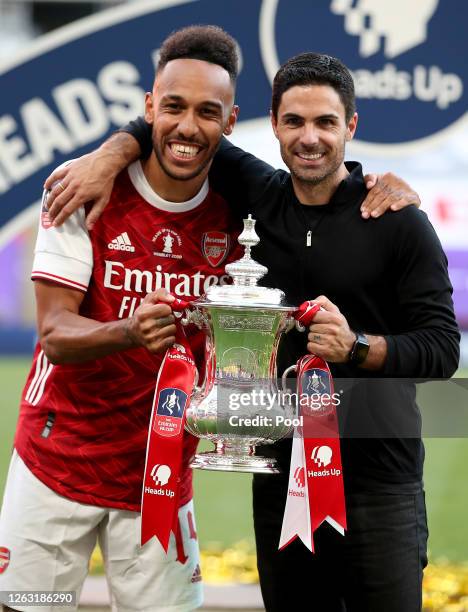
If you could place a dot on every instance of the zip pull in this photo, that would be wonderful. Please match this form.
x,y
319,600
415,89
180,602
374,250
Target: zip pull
x,y
309,238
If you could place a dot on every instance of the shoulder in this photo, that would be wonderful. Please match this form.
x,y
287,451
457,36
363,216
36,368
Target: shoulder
x,y
409,219
230,156
277,182
410,229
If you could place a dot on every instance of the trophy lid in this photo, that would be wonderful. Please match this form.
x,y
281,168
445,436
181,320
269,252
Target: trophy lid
x,y
245,273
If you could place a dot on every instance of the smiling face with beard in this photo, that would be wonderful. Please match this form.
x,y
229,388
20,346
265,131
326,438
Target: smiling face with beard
x,y
312,130
191,107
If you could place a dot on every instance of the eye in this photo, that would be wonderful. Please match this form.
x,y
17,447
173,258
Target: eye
x,y
209,112
293,121
173,106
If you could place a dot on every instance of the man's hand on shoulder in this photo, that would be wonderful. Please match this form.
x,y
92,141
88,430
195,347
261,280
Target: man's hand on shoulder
x,y
387,191
153,324
89,179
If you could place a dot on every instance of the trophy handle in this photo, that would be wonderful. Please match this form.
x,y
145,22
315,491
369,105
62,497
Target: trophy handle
x,y
299,327
292,368
196,388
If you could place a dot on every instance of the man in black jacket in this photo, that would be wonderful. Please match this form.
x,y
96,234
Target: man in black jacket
x,y
387,313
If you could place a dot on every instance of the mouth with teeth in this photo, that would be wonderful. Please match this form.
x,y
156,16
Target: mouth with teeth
x,y
184,151
310,156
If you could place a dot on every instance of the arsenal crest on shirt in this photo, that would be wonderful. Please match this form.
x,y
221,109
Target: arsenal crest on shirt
x,y
215,247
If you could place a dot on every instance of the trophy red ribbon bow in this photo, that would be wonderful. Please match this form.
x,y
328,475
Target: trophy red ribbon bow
x,y
174,386
315,487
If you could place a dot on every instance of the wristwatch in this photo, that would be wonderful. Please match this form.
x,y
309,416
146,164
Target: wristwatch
x,y
360,349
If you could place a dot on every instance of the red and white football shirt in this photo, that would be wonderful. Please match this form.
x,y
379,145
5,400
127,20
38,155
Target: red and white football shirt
x,y
83,427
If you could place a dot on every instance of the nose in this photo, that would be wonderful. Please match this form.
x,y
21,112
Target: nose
x,y
188,126
309,135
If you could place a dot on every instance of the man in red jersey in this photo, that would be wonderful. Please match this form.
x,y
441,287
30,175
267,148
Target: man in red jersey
x,y
76,473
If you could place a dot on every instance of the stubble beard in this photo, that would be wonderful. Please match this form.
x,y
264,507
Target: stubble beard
x,y
312,180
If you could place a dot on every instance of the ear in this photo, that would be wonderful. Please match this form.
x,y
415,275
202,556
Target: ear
x,y
351,128
231,122
149,112
274,123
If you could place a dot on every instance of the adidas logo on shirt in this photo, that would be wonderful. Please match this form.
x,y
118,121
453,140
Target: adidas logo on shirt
x,y
197,575
121,243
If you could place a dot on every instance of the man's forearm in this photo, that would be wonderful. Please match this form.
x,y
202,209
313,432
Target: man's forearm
x,y
119,150
377,354
424,353
89,179
71,338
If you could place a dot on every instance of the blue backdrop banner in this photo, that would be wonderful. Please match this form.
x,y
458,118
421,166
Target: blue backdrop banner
x,y
72,88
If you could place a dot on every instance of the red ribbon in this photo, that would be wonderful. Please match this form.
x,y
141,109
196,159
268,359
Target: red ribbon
x,y
321,438
306,312
316,467
174,386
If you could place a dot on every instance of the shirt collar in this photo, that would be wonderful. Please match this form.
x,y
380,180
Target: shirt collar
x,y
349,190
351,187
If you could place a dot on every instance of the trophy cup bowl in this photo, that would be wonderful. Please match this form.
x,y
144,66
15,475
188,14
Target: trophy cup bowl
x,y
238,405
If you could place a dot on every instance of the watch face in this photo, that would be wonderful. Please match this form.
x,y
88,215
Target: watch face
x,y
360,350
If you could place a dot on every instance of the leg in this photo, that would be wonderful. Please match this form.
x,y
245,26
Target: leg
x,y
385,553
145,578
49,538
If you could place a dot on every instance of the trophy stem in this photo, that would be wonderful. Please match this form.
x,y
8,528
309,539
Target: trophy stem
x,y
237,448
235,456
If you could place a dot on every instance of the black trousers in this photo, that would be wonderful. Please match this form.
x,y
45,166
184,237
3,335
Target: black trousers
x,y
376,567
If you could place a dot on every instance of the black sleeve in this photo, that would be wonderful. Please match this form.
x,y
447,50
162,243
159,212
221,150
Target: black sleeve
x,y
238,176
141,131
430,348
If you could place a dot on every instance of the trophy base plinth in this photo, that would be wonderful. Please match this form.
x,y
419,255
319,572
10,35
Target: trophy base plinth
x,y
235,463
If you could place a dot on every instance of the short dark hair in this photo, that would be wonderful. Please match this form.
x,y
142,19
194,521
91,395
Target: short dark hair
x,y
202,42
315,69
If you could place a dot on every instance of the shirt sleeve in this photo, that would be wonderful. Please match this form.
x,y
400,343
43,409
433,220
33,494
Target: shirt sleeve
x,y
429,347
142,132
63,255
240,177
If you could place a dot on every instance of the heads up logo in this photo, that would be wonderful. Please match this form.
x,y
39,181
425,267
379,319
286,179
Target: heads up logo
x,y
161,474
322,455
407,58
299,477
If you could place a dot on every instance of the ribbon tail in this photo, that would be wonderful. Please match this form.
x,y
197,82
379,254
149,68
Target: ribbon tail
x,y
328,502
331,521
296,519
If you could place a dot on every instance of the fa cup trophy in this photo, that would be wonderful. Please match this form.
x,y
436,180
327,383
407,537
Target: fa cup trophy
x,y
238,404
